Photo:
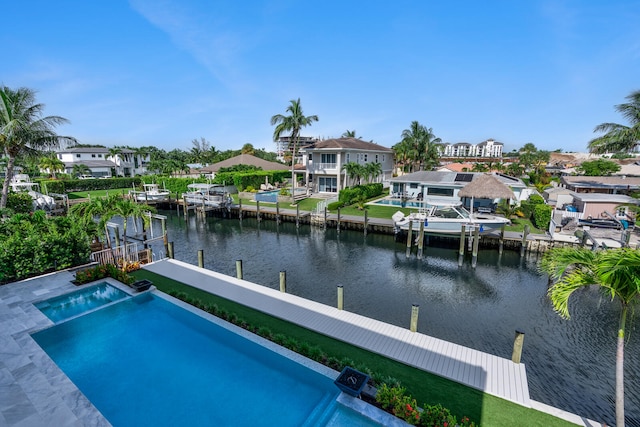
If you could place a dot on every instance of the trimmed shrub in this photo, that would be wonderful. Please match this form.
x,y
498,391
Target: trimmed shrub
x,y
542,216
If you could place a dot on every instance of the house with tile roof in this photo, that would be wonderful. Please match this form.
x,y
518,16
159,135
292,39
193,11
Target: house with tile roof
x,y
126,162
323,161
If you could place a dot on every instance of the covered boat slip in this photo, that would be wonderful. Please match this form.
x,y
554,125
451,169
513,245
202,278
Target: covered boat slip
x,y
492,374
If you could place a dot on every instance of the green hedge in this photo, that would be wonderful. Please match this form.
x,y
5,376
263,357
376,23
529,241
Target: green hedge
x,y
63,186
20,202
527,206
349,196
34,244
542,216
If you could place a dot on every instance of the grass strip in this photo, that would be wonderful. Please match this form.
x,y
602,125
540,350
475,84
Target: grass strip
x,y
425,387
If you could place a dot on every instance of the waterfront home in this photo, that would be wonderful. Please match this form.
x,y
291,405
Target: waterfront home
x,y
444,186
601,184
103,164
324,160
597,205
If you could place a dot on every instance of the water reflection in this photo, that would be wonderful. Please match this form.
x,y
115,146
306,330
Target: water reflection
x,y
570,364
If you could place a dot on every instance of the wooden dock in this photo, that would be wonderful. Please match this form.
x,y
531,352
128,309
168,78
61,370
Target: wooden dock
x,y
491,374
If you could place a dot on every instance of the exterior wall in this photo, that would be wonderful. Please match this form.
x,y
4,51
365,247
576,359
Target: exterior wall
x,y
316,168
596,209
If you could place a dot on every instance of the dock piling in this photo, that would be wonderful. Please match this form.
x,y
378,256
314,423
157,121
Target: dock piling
x,y
170,250
277,213
338,226
258,210
415,309
200,258
239,269
283,281
524,240
366,221
463,230
501,243
340,297
409,239
476,242
297,215
420,239
517,347
240,209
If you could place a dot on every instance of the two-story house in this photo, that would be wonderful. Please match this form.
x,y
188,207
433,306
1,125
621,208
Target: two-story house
x,y
323,162
101,163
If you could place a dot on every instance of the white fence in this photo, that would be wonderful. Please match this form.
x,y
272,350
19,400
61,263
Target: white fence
x,y
113,255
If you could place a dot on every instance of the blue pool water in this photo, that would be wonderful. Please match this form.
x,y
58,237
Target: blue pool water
x,y
267,196
147,362
408,203
72,304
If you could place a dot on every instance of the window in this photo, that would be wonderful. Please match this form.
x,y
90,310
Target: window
x,y
383,158
99,155
377,159
348,157
365,158
435,191
328,158
413,185
93,155
310,156
77,156
328,184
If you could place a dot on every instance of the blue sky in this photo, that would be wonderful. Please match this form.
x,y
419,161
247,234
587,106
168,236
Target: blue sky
x,y
165,72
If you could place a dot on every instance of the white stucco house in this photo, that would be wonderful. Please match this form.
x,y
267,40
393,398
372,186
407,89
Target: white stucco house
x,y
444,186
126,163
323,161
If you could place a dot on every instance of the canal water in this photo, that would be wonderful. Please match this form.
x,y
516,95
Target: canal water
x,y
570,363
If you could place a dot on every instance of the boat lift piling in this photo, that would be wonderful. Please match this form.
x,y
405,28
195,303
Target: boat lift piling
x,y
476,242
409,240
461,249
338,225
420,239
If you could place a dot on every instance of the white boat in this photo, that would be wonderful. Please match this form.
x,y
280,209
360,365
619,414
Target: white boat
x,y
151,193
22,183
210,195
447,219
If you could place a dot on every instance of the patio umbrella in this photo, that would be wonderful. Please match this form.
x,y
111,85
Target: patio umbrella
x,y
486,186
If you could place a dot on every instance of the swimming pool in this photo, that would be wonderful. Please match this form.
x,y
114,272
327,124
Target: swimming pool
x,y
407,204
147,361
72,304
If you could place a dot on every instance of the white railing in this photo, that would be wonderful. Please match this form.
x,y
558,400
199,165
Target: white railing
x,y
113,255
567,214
322,205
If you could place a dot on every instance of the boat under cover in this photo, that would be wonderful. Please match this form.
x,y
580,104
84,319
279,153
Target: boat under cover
x,y
447,219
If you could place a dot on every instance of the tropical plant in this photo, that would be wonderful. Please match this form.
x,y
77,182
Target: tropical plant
x,y
292,123
52,164
421,146
23,130
354,171
350,134
617,137
615,271
598,167
80,169
126,209
509,210
372,171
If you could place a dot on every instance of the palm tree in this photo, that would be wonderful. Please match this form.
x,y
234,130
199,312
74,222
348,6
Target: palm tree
x,y
295,121
127,208
616,271
423,145
52,164
350,134
80,169
619,138
401,152
248,149
98,208
354,171
23,130
373,171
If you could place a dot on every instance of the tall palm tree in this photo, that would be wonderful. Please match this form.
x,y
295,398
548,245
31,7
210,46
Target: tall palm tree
x,y
97,209
423,145
350,134
80,169
617,137
616,271
295,121
23,130
401,152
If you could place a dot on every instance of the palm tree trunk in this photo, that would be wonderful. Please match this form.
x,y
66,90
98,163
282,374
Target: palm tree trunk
x,y
620,369
7,180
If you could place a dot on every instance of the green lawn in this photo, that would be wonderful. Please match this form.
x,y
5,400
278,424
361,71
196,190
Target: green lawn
x,y
96,193
426,388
